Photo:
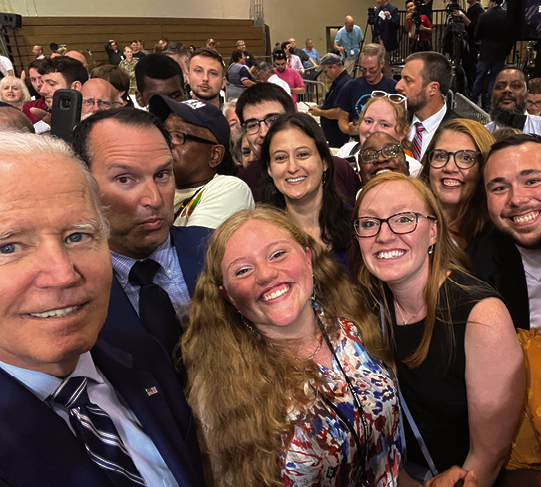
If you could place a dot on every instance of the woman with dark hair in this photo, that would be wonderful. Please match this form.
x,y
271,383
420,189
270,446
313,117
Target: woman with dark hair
x,y
285,370
300,179
238,77
458,360
453,168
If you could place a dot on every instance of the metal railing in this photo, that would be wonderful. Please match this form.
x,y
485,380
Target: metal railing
x,y
467,109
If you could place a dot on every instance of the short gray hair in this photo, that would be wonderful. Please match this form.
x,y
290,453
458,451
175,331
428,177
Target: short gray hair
x,y
374,50
31,147
228,105
265,67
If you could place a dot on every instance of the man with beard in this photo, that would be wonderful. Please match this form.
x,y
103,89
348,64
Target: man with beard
x,y
289,75
509,104
426,79
509,257
206,76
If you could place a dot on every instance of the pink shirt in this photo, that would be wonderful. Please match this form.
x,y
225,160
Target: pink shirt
x,y
293,79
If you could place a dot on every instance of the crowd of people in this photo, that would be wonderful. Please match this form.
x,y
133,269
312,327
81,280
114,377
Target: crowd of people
x,y
209,286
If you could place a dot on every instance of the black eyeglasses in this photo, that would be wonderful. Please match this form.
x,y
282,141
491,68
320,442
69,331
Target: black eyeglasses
x,y
531,103
400,224
253,125
368,156
181,138
102,104
464,159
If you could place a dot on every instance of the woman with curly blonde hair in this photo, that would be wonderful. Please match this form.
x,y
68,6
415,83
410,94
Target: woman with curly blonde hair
x,y
285,369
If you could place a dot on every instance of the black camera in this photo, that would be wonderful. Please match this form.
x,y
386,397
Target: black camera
x,y
371,16
452,7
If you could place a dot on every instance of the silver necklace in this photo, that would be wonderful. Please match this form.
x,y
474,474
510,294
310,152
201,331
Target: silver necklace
x,y
404,322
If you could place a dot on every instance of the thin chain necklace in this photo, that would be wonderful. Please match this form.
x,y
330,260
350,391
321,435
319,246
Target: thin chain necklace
x,y
404,322
317,349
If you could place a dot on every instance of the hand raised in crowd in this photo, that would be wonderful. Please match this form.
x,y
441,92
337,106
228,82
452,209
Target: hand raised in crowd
x,y
43,115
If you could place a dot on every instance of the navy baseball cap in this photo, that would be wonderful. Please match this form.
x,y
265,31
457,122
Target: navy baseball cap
x,y
196,112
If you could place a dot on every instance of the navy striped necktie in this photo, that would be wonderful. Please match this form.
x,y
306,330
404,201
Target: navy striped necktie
x,y
97,431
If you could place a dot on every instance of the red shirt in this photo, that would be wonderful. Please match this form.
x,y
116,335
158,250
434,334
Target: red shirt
x,y
421,35
39,103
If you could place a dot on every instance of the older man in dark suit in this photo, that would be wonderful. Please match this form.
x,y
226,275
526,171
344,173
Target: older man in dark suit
x,y
75,410
155,267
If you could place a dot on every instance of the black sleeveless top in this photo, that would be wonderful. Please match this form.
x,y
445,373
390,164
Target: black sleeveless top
x,y
435,392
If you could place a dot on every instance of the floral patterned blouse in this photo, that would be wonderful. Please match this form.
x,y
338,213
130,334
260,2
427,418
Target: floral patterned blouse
x,y
323,451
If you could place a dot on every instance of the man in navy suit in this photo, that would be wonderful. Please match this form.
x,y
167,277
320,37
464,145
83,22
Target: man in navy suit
x,y
509,257
128,152
55,278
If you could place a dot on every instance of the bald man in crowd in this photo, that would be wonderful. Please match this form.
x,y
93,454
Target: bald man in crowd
x,y
98,94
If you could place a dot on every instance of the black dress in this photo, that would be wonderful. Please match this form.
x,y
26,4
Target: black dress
x,y
435,392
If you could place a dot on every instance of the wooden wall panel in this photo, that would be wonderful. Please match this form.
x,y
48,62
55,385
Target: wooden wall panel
x,y
93,33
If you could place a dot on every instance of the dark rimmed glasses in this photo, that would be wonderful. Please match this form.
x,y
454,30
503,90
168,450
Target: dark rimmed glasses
x,y
394,97
368,156
180,138
464,159
102,104
531,103
253,125
399,223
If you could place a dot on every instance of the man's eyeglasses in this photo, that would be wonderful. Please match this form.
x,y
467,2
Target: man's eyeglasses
x,y
370,70
394,97
399,224
102,104
531,103
253,125
389,150
180,138
464,159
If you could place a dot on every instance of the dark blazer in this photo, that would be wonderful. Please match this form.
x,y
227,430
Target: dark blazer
x,y
497,261
386,29
191,246
491,30
37,448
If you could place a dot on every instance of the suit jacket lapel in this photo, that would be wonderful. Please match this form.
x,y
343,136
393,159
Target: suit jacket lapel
x,y
510,280
37,447
151,410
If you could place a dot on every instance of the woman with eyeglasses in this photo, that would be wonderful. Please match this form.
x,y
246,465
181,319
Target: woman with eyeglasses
x,y
300,180
458,360
387,113
381,153
453,167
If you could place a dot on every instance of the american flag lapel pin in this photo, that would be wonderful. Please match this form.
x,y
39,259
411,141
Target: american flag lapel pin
x,y
151,391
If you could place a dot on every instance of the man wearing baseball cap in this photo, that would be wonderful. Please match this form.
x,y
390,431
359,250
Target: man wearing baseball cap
x,y
331,65
207,191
